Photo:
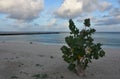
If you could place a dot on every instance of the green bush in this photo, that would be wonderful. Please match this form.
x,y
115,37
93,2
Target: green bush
x,y
80,48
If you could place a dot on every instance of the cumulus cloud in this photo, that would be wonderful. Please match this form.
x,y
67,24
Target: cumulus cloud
x,y
74,8
70,8
25,10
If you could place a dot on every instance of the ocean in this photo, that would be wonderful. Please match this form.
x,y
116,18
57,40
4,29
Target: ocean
x,y
108,39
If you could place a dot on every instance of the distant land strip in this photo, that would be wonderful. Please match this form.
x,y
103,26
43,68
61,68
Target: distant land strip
x,y
28,33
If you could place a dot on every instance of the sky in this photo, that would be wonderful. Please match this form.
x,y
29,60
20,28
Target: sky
x,y
53,15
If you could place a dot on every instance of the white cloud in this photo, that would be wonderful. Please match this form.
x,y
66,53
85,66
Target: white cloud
x,y
54,25
114,12
51,23
92,5
108,21
74,8
111,28
113,18
26,10
70,8
104,6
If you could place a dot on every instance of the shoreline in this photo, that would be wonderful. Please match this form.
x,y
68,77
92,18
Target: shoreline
x,y
58,44
26,33
25,59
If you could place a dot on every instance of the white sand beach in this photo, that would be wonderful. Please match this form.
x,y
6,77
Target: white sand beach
x,y
22,60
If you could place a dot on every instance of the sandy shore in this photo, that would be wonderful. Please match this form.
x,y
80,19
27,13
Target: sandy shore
x,y
22,60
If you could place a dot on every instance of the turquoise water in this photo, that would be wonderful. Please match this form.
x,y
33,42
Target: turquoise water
x,y
108,39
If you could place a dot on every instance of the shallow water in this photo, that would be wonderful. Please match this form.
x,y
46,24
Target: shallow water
x,y
108,39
